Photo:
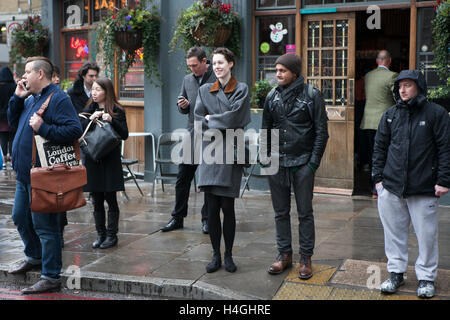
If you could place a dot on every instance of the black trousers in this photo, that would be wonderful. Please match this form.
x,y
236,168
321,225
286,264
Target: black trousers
x,y
280,184
99,199
366,151
215,203
186,173
6,141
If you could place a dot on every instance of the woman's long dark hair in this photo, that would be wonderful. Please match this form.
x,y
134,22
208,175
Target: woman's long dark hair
x,y
110,96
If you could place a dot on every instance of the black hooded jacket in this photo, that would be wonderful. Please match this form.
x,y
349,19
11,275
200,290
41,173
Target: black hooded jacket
x,y
7,88
412,145
78,96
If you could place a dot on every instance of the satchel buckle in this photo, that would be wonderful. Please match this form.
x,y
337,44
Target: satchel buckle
x,y
60,194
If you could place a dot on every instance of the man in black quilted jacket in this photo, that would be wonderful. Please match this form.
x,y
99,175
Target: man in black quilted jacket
x,y
411,170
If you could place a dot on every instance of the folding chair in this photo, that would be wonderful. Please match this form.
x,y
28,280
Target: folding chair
x,y
164,145
128,173
253,141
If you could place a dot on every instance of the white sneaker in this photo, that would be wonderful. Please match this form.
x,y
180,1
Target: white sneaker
x,y
425,289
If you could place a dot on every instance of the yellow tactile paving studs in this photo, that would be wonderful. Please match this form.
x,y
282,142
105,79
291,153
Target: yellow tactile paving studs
x,y
321,274
314,288
320,286
297,291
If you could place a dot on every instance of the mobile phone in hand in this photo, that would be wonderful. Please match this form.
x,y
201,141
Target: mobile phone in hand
x,y
181,98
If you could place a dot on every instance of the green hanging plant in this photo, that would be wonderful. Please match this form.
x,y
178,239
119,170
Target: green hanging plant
x,y
209,24
124,32
441,49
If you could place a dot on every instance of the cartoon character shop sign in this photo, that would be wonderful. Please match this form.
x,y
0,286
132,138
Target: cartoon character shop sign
x,y
277,33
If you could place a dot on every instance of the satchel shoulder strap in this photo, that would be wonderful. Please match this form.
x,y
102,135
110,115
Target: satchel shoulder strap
x,y
44,106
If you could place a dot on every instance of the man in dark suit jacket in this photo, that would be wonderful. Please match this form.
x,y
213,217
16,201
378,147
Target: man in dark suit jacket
x,y
201,73
81,90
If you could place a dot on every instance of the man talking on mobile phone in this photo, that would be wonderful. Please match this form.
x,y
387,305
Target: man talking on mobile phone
x,y
40,232
201,73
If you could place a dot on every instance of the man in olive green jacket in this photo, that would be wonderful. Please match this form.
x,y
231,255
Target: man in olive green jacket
x,y
379,84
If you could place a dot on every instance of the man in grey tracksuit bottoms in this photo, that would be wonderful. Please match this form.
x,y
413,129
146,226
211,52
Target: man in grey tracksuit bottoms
x,y
411,170
201,73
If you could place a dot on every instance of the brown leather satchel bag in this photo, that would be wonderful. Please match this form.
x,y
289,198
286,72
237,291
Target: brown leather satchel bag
x,y
59,187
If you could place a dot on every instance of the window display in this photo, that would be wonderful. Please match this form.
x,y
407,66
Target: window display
x,y
275,37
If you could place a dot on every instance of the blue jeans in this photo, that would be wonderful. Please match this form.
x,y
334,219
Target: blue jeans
x,y
40,234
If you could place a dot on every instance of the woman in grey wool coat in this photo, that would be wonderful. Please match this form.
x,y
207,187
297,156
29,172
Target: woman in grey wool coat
x,y
221,105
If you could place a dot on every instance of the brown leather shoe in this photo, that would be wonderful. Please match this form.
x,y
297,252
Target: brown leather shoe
x,y
43,285
284,261
305,271
25,267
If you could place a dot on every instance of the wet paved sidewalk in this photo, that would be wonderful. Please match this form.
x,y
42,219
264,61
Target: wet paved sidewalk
x,y
348,263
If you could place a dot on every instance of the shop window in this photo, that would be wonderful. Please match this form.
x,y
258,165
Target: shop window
x,y
275,37
75,13
76,52
425,55
100,9
344,2
326,58
311,2
131,86
275,4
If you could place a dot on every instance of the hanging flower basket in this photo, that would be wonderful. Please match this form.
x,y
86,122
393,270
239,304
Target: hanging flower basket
x,y
209,24
29,49
221,36
123,32
29,39
129,41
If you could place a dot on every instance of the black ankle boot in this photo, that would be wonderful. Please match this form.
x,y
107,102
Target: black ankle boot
x,y
110,241
100,239
229,264
111,230
99,217
214,265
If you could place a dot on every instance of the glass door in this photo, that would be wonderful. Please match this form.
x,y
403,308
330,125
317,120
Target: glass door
x,y
328,54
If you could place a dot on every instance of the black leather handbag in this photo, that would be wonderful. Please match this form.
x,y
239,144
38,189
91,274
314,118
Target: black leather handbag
x,y
98,139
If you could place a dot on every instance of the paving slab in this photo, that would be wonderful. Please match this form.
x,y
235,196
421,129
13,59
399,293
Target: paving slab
x,y
371,274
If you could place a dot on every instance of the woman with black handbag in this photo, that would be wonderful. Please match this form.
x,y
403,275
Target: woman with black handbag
x,y
222,105
105,176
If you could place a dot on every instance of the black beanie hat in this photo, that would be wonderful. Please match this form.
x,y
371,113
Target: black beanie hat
x,y
291,61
